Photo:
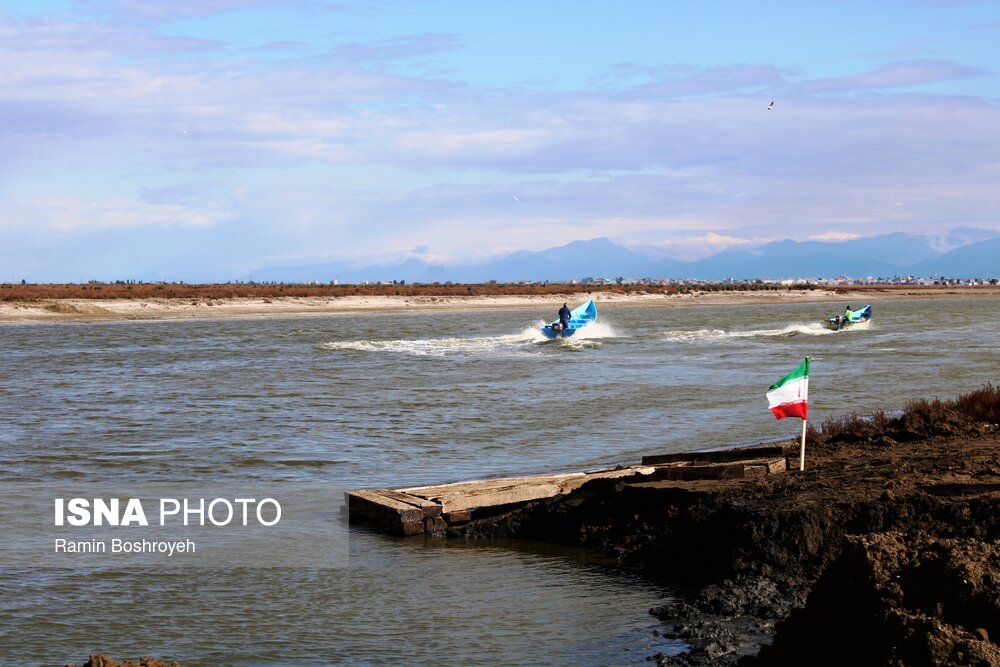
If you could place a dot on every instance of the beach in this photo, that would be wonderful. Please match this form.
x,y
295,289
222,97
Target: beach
x,y
192,304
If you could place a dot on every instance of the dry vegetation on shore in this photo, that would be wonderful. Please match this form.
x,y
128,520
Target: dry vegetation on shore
x,y
37,292
920,419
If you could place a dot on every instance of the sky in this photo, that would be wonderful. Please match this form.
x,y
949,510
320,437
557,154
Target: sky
x,y
204,139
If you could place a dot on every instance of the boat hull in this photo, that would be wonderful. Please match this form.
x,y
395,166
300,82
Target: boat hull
x,y
833,326
551,334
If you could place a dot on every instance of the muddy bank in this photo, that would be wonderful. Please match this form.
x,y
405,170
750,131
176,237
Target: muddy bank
x,y
883,552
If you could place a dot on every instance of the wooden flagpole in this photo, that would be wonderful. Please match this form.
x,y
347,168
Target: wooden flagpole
x,y
802,449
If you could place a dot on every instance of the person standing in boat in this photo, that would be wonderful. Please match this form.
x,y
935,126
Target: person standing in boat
x,y
564,317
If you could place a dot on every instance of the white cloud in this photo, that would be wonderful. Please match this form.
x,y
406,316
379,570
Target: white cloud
x,y
698,246
834,236
63,213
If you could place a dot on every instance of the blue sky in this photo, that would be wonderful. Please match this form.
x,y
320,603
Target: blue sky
x,y
202,139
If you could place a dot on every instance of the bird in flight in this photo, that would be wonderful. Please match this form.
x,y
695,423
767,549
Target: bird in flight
x,y
771,105
516,198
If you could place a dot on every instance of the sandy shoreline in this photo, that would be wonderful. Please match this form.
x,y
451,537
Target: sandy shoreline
x,y
100,310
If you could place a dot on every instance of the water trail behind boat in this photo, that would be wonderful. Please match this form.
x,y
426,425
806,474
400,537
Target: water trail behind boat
x,y
588,336
794,329
437,347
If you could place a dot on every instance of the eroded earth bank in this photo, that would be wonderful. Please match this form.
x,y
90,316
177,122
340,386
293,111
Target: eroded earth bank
x,y
885,551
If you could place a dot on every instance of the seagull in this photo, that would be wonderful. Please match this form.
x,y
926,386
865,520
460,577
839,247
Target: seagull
x,y
771,105
516,198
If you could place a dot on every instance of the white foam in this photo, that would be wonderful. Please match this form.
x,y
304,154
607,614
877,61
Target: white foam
x,y
587,336
795,329
434,346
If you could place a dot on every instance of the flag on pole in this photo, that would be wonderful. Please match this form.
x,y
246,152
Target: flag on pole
x,y
789,396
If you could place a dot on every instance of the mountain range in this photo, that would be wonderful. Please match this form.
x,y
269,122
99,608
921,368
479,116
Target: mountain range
x,y
965,252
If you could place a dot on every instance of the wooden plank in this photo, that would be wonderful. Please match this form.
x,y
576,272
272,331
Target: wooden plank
x,y
428,507
459,496
717,456
411,528
777,466
491,497
454,518
435,525
382,507
480,485
692,472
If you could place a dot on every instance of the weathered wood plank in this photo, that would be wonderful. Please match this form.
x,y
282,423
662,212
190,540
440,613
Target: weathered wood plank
x,y
455,518
435,525
431,509
691,472
717,456
480,485
410,528
460,496
382,507
777,466
492,497
428,507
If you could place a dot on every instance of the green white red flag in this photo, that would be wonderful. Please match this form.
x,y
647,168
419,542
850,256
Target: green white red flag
x,y
789,396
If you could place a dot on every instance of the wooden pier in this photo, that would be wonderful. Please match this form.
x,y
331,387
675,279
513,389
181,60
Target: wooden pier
x,y
432,509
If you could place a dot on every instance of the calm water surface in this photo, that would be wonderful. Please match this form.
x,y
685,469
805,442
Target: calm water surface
x,y
414,398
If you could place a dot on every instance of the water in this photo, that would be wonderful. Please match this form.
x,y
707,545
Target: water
x,y
399,399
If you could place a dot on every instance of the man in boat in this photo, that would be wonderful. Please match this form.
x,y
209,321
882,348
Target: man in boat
x,y
564,317
848,313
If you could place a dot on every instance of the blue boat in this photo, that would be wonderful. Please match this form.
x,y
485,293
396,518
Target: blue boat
x,y
579,317
860,316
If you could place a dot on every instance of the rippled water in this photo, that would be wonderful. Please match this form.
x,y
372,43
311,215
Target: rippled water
x,y
413,398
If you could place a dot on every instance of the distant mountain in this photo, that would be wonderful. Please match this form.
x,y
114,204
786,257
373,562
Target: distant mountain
x,y
888,255
742,265
977,260
961,236
597,258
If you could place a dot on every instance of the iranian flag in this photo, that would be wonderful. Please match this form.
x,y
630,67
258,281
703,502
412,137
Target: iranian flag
x,y
789,396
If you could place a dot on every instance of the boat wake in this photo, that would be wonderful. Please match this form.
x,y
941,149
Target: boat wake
x,y
694,335
524,341
434,347
588,336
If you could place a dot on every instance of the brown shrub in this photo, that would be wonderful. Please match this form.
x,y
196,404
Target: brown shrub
x,y
920,419
38,292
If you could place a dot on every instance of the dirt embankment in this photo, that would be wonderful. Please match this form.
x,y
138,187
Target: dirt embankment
x,y
885,551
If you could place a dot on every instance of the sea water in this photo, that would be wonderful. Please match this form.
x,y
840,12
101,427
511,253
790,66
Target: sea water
x,y
397,399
